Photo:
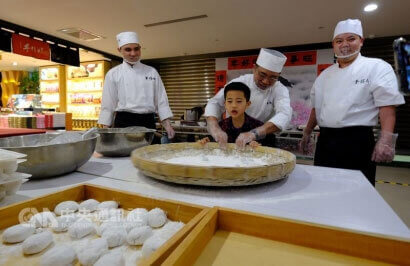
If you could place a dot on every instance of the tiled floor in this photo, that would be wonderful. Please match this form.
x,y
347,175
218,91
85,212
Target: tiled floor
x,y
396,195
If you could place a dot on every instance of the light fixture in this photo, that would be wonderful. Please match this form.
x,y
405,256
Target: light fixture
x,y
370,7
15,64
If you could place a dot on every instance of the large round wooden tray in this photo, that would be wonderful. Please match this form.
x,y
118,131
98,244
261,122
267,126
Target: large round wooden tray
x,y
279,164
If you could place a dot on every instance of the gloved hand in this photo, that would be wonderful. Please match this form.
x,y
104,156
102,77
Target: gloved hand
x,y
218,134
167,125
244,138
247,137
384,149
305,143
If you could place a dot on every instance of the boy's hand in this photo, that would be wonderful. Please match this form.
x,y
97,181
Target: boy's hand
x,y
204,141
218,135
254,144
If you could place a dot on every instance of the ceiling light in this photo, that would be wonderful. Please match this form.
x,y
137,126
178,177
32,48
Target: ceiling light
x,y
370,7
81,34
15,64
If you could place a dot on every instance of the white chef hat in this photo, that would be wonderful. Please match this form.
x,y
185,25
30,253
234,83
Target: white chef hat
x,y
127,37
271,60
349,26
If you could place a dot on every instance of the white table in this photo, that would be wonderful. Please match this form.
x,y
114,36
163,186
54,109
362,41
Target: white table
x,y
336,197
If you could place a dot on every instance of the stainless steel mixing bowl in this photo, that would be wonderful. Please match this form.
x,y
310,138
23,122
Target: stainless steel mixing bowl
x,y
48,160
118,142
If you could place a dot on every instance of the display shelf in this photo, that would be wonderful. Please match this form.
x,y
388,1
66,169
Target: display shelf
x,y
52,86
85,104
88,78
84,91
50,80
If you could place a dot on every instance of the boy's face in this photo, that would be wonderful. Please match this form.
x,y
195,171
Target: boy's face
x,y
235,103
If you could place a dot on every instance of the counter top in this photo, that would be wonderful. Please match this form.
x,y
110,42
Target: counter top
x,y
335,197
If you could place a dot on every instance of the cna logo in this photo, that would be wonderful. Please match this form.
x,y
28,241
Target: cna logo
x,y
32,216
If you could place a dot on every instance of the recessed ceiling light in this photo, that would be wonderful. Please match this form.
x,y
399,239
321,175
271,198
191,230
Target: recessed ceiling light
x,y
15,64
370,7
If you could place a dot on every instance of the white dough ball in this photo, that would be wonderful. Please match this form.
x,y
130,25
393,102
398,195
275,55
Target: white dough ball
x,y
94,250
89,205
110,214
37,243
109,224
43,219
113,258
81,228
139,235
138,216
62,255
115,236
170,229
156,218
63,222
151,244
66,207
110,204
18,233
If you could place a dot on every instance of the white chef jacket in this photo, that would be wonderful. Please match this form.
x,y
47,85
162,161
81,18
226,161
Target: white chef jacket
x,y
351,96
136,89
270,105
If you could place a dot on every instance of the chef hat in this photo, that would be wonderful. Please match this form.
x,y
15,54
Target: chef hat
x,y
349,26
127,37
271,60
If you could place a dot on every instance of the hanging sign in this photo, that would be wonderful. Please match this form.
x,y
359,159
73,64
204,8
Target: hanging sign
x,y
301,58
30,47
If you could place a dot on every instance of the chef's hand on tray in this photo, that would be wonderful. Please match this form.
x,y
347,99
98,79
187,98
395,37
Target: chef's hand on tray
x,y
244,138
384,149
170,131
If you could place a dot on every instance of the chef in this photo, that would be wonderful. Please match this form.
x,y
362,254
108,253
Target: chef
x,y
347,99
133,92
270,100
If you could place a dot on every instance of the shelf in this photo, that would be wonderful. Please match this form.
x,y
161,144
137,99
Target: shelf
x,y
85,91
49,103
84,78
83,104
49,80
50,92
85,118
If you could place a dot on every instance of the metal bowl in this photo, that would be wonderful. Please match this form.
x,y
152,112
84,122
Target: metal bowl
x,y
48,160
118,142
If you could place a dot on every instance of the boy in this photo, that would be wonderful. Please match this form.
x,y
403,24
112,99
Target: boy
x,y
237,96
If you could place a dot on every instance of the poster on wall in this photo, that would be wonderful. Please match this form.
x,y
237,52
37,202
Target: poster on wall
x,y
298,75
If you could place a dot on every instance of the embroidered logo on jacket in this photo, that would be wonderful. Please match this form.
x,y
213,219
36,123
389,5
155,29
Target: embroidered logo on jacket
x,y
362,81
150,78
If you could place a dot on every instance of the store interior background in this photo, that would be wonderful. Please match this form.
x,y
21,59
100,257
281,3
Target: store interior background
x,y
184,52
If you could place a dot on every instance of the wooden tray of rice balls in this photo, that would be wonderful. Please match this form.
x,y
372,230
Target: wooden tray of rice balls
x,y
229,237
93,225
194,164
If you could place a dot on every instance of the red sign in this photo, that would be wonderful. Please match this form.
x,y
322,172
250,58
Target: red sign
x,y
301,58
322,67
29,47
243,62
220,80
